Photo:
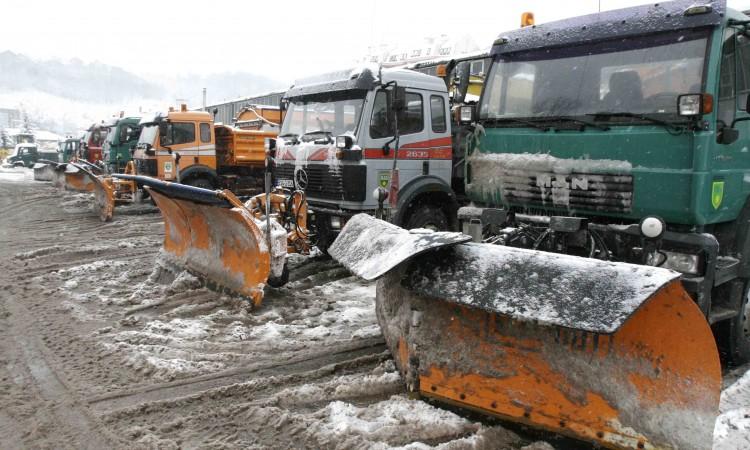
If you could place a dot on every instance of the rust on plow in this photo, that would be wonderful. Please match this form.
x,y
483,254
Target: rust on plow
x,y
611,353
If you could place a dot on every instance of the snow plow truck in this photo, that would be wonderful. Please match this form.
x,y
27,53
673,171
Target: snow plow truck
x,y
187,147
606,195
603,184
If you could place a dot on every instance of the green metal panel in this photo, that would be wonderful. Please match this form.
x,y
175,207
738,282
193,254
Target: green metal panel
x,y
675,177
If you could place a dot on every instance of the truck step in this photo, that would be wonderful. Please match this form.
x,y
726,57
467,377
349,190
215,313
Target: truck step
x,y
727,268
719,313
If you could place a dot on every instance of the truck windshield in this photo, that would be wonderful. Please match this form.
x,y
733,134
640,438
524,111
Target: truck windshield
x,y
331,113
148,134
642,75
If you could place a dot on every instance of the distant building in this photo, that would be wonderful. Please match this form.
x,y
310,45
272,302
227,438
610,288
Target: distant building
x,y
429,48
9,117
227,111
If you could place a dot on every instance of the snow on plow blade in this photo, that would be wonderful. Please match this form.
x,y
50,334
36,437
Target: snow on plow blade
x,y
212,237
611,353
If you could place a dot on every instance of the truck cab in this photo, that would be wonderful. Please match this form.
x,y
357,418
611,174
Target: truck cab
x,y
169,147
23,155
120,142
93,141
189,148
624,136
338,143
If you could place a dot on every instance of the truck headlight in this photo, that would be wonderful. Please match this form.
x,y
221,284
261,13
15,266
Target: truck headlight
x,y
682,262
335,222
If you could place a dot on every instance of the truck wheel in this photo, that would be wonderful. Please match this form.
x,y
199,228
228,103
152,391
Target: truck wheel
x,y
739,334
201,182
427,216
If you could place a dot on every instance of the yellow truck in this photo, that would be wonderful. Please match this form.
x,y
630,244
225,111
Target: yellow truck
x,y
186,147
189,148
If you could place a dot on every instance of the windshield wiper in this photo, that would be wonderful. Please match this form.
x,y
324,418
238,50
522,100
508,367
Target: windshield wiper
x,y
521,121
290,135
671,127
327,133
585,123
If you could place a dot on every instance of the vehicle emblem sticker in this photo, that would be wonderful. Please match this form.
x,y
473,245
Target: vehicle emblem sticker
x,y
717,194
300,178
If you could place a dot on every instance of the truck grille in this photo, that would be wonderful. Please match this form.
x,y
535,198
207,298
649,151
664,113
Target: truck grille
x,y
575,191
326,182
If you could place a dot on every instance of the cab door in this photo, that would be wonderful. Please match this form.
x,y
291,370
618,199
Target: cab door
x,y
413,142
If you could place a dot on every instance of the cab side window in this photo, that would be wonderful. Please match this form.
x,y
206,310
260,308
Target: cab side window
x,y
180,133
437,113
743,70
727,73
205,132
410,119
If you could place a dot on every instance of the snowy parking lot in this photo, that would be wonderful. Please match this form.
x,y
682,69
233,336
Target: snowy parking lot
x,y
103,344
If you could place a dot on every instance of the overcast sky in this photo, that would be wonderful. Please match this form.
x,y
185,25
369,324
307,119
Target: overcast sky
x,y
281,39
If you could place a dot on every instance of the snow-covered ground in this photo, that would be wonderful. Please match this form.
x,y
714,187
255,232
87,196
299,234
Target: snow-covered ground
x,y
157,360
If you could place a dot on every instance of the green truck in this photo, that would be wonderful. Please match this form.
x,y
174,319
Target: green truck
x,y
121,140
624,136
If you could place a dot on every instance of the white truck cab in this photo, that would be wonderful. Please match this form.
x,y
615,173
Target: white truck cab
x,y
345,132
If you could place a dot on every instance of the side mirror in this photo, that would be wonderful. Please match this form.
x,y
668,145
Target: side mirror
x,y
728,135
461,82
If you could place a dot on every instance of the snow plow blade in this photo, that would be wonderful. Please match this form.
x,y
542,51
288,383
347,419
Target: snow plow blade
x,y
611,353
44,170
212,234
78,178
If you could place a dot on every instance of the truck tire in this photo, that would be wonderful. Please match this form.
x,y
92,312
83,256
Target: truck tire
x,y
201,182
427,216
738,345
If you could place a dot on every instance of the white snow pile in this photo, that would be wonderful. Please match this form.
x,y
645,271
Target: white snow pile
x,y
395,417
732,430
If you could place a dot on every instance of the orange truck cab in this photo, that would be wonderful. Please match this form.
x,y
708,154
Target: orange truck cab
x,y
189,148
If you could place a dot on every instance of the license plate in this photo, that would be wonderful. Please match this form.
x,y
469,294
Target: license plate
x,y
286,183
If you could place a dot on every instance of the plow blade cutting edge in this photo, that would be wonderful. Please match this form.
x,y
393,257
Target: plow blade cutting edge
x,y
213,235
612,353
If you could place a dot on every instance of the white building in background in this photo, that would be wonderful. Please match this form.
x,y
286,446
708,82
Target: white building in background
x,y
429,48
9,117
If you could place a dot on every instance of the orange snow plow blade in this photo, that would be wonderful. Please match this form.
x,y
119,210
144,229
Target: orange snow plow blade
x,y
215,236
611,353
78,178
109,191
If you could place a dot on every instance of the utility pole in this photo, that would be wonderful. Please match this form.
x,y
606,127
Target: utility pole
x,y
204,99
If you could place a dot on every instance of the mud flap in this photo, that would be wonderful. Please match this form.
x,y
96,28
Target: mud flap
x,y
610,353
221,243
